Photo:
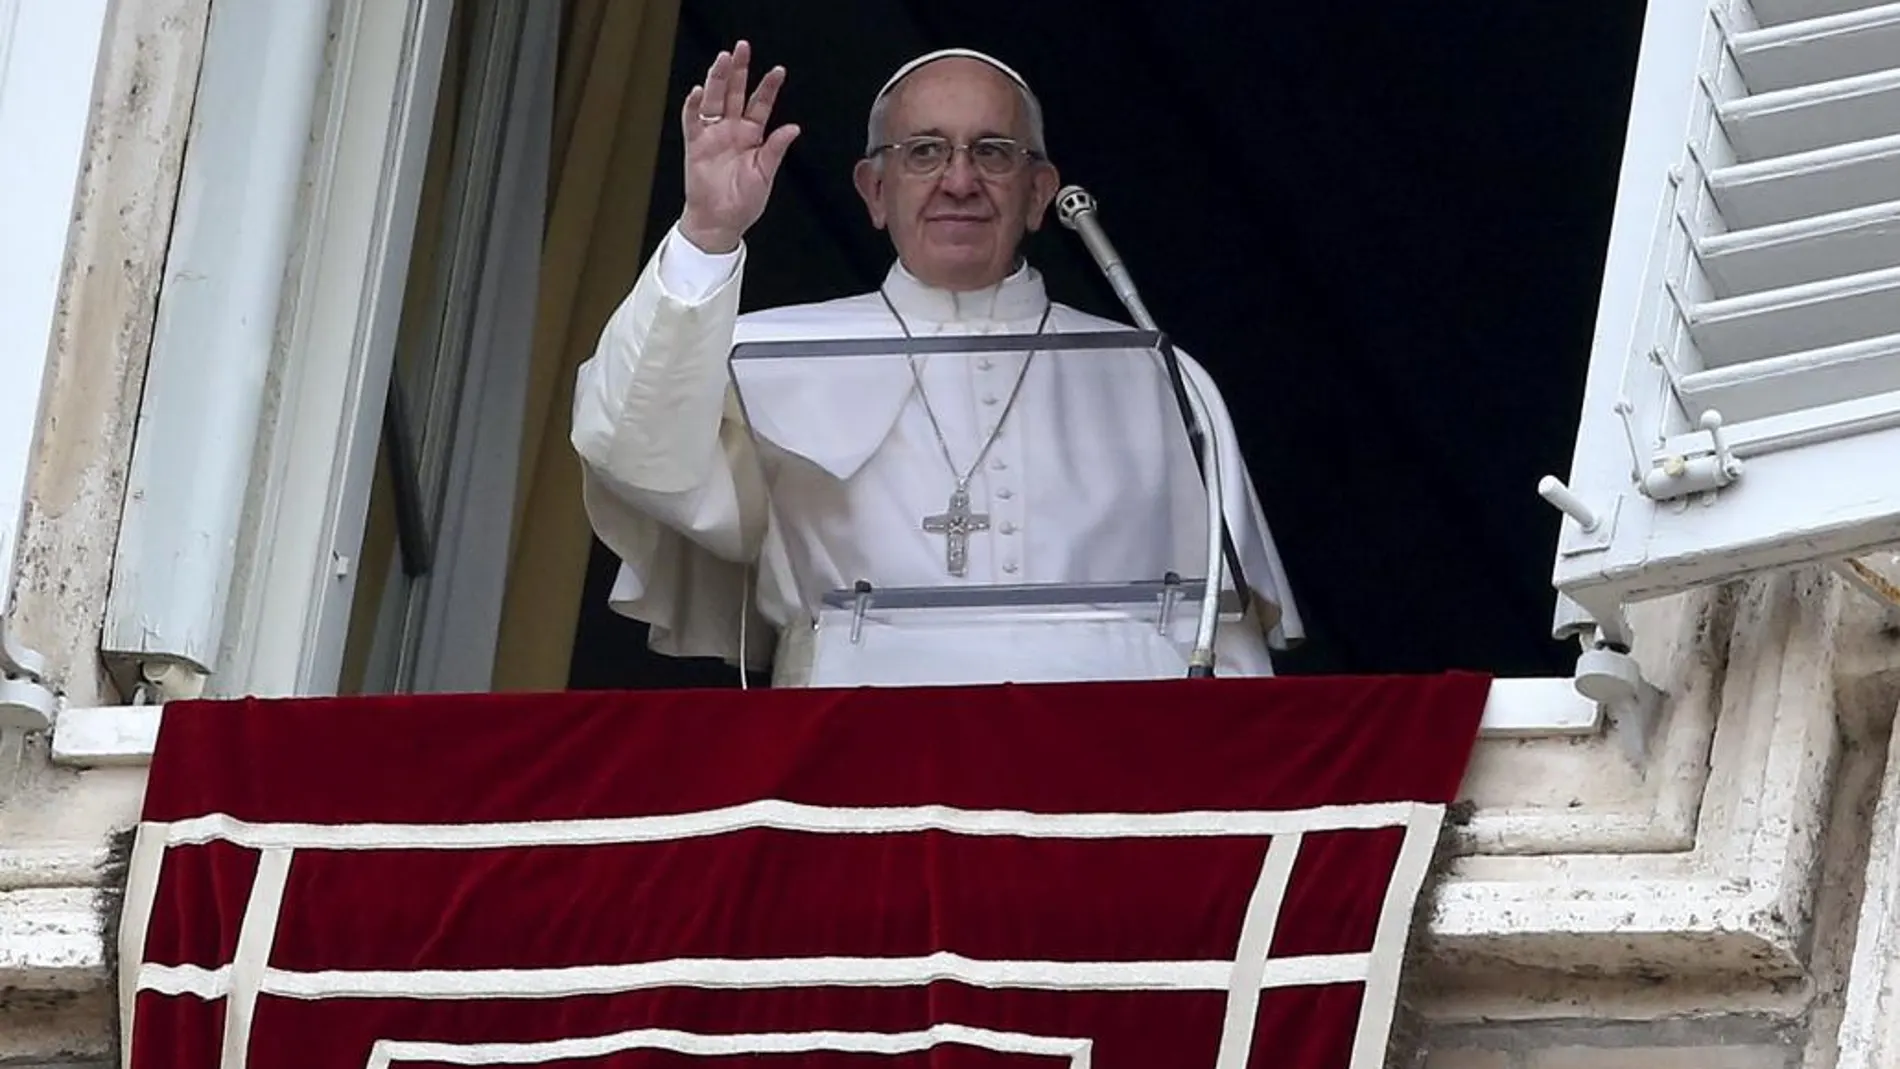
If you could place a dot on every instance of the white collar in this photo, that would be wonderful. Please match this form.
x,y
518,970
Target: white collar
x,y
1018,297
783,400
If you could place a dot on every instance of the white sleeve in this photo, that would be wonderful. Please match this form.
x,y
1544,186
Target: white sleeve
x,y
669,480
689,273
652,416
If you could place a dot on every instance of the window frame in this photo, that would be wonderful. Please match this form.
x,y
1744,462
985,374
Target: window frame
x,y
439,618
343,305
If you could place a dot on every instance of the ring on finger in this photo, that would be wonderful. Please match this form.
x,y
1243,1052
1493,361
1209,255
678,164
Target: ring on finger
x,y
708,120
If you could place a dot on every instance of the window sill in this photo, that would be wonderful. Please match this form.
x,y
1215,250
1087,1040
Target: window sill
x,y
105,736
122,735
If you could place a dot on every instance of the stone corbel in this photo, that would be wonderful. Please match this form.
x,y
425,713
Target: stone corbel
x,y
1869,1033
1716,881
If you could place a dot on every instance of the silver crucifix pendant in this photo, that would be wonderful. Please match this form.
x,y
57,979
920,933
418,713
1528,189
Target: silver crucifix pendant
x,y
955,524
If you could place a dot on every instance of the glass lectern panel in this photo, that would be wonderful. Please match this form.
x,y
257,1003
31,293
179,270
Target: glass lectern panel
x,y
975,486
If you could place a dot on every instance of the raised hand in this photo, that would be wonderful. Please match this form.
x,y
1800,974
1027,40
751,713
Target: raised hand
x,y
730,159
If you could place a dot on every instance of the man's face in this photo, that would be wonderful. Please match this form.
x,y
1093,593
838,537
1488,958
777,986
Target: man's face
x,y
958,227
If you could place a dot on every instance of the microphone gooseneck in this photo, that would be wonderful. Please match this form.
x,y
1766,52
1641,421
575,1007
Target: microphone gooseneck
x,y
1075,207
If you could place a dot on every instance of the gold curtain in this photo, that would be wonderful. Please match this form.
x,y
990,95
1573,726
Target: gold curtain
x,y
610,102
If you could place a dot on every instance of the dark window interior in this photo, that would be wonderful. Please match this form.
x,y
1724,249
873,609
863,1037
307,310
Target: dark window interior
x,y
1380,226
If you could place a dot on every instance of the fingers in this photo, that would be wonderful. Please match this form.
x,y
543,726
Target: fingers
x,y
759,108
738,73
712,100
723,95
772,153
689,112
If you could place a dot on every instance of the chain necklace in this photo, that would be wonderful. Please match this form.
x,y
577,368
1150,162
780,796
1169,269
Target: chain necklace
x,y
957,522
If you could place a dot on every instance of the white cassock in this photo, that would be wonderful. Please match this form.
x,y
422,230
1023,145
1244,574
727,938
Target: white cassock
x,y
1075,486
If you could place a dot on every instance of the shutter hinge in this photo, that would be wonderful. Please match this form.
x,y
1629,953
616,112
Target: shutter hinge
x,y
26,702
1704,468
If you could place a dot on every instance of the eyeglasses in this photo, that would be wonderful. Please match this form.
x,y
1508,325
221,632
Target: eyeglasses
x,y
928,155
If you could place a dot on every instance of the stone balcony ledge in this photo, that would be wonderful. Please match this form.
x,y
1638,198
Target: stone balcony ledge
x,y
1690,845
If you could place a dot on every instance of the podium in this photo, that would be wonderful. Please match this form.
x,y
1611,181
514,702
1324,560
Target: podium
x,y
1112,584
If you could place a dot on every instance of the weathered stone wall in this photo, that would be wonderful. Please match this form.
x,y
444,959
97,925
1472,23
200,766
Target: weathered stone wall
x,y
134,153
55,1006
1798,789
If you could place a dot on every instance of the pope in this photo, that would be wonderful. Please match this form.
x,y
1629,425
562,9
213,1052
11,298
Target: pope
x,y
1019,468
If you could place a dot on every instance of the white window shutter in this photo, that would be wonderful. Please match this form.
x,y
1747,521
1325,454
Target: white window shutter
x,y
1742,410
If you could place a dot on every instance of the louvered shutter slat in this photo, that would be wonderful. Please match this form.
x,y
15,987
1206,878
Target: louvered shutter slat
x,y
1808,117
1789,55
1811,379
1803,250
1783,12
1834,178
1834,311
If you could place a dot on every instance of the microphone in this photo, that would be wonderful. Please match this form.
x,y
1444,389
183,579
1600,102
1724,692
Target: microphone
x,y
1075,207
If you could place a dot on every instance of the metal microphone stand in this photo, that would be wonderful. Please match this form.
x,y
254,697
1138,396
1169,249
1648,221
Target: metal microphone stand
x,y
1076,210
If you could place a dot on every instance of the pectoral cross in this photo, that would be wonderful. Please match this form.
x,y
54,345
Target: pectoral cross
x,y
955,524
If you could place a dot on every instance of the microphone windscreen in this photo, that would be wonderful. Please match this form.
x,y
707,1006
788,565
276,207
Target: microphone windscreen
x,y
1072,201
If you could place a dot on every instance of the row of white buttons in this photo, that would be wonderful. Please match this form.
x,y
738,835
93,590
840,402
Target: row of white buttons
x,y
1010,567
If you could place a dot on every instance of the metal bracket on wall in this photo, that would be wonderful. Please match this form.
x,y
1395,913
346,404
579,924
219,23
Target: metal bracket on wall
x,y
26,702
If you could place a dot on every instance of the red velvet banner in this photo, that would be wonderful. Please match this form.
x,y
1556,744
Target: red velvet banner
x,y
1189,873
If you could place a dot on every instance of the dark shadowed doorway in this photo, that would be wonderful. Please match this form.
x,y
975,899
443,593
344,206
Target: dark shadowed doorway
x,y
1381,228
